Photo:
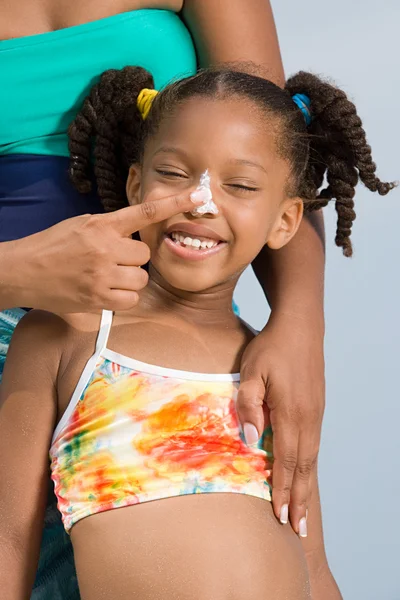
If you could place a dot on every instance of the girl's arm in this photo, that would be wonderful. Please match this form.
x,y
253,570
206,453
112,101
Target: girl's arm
x,y
284,365
28,412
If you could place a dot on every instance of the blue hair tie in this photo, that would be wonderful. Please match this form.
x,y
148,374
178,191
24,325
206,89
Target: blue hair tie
x,y
304,104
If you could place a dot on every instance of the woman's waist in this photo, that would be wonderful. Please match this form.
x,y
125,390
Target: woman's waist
x,y
35,193
46,77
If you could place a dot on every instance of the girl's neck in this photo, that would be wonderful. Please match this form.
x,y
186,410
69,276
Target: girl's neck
x,y
212,306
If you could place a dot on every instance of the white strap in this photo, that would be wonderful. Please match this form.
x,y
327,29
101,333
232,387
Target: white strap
x,y
104,331
101,343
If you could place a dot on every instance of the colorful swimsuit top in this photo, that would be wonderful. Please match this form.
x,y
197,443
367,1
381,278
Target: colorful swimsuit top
x,y
134,432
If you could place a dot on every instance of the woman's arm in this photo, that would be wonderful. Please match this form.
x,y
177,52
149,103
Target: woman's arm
x,y
323,584
283,366
235,30
28,412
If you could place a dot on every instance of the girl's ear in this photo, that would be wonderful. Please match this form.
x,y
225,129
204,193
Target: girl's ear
x,y
133,185
286,224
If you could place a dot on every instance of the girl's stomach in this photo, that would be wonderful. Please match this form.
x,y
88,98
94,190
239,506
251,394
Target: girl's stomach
x,y
204,546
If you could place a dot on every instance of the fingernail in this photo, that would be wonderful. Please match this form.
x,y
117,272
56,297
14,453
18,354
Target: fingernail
x,y
197,198
303,527
284,516
250,434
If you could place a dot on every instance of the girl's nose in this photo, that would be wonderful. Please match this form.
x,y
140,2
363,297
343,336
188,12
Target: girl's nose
x,y
203,192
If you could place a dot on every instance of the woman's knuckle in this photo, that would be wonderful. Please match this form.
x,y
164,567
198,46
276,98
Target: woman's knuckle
x,y
148,210
289,462
304,468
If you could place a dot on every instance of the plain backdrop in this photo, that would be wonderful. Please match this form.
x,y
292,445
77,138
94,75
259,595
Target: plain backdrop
x,y
357,45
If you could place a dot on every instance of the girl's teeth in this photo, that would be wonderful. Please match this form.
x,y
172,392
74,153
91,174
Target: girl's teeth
x,y
194,243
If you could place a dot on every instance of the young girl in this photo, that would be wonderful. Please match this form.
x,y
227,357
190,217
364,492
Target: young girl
x,y
138,408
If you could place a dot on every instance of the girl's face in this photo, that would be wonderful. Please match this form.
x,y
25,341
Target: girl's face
x,y
235,142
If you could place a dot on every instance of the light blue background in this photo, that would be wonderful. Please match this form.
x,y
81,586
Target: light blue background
x,y
357,45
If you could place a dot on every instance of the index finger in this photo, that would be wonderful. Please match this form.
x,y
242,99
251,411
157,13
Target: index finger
x,y
133,218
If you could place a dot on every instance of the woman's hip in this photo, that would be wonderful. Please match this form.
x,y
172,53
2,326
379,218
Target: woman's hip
x,y
36,193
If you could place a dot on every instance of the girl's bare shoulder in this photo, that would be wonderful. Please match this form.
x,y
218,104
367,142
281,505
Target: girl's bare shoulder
x,y
47,327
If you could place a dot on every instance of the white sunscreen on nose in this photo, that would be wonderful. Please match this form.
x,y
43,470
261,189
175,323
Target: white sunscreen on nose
x,y
203,192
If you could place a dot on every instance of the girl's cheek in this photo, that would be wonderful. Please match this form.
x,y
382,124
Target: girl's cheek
x,y
158,190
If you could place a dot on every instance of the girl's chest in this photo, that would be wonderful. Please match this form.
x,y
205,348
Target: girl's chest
x,y
161,348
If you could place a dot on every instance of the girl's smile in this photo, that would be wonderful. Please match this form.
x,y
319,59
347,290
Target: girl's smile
x,y
192,241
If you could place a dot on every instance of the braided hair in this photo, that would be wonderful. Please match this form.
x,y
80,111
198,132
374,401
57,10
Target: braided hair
x,y
109,133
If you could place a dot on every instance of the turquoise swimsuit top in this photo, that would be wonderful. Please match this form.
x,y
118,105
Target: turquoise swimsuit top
x,y
46,77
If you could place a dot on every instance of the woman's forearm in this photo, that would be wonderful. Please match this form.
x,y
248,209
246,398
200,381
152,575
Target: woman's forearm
x,y
293,277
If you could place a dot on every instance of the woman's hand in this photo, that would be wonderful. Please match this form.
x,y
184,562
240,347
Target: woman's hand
x,y
84,263
282,379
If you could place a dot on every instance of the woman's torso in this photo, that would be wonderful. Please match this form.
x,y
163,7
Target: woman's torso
x,y
46,76
177,546
29,17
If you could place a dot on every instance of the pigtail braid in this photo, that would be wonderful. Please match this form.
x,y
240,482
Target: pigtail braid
x,y
338,151
108,129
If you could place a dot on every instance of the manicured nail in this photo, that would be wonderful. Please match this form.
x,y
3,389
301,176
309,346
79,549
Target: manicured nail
x,y
284,516
303,527
197,197
250,434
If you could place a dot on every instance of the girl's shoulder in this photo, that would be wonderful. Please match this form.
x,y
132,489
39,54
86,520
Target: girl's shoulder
x,y
59,343
48,327
50,335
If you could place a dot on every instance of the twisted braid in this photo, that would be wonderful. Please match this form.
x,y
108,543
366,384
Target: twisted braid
x,y
109,116
338,150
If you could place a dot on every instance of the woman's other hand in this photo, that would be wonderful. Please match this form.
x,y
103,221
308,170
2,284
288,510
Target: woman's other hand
x,y
282,379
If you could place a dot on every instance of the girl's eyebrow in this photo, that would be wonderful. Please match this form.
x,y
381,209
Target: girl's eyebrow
x,y
170,150
248,163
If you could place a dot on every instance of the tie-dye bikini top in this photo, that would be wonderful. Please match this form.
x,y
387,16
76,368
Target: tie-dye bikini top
x,y
134,432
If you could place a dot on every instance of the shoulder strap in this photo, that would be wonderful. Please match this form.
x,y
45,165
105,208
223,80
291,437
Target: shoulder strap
x,y
101,343
104,330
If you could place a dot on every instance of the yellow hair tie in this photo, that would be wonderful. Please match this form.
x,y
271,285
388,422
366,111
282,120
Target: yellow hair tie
x,y
145,100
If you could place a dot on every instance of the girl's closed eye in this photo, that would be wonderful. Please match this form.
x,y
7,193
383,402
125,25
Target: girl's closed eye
x,y
171,173
242,187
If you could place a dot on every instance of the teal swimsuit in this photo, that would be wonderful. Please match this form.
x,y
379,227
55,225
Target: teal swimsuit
x,y
46,77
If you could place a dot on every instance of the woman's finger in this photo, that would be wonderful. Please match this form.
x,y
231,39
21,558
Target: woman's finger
x,y
299,496
285,445
133,218
130,253
119,300
249,405
131,279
